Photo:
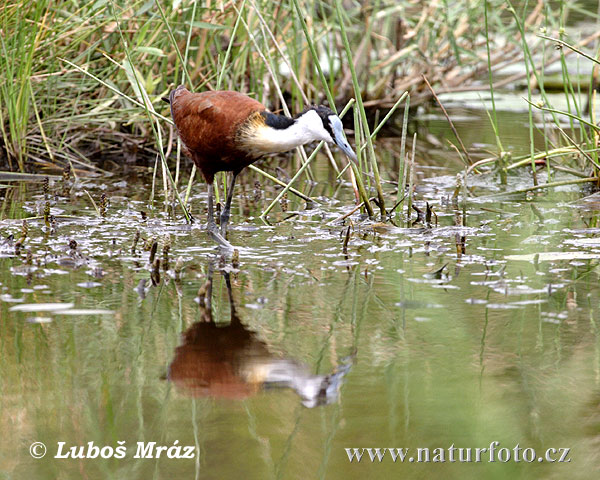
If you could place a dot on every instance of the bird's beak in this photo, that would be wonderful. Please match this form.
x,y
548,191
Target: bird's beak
x,y
340,139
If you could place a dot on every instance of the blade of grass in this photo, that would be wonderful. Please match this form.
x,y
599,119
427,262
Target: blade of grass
x,y
148,108
402,161
361,108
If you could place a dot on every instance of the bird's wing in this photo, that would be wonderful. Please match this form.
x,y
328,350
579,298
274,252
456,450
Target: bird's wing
x,y
198,105
187,104
195,116
184,103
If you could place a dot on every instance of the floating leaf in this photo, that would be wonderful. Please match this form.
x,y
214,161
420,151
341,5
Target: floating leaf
x,y
89,284
39,320
40,307
84,311
553,256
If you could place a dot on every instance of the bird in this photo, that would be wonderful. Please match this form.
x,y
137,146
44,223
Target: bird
x,y
222,130
220,359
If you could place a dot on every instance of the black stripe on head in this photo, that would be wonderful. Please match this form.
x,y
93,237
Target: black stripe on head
x,y
324,113
278,122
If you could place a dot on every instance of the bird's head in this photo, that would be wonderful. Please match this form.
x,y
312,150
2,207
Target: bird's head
x,y
325,125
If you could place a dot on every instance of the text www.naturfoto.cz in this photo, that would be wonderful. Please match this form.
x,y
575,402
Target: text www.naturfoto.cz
x,y
456,454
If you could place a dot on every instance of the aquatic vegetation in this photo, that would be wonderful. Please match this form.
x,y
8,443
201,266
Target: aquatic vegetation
x,y
110,64
445,292
464,306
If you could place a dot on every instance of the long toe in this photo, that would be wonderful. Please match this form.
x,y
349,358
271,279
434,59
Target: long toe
x,y
213,231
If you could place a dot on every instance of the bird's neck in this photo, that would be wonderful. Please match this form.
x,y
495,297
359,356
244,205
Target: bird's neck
x,y
278,133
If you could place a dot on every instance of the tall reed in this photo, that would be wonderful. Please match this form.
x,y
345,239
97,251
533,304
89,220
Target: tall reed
x,y
73,79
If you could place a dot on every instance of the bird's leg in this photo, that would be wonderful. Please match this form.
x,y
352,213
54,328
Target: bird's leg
x,y
226,211
212,228
211,217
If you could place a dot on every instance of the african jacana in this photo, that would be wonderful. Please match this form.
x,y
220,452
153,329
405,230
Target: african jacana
x,y
231,361
227,131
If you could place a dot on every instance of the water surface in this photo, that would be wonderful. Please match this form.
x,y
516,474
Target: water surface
x,y
430,336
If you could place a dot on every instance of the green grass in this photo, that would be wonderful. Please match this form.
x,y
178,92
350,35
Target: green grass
x,y
76,77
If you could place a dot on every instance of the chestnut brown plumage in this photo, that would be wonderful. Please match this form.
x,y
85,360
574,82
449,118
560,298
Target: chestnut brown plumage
x,y
229,360
227,131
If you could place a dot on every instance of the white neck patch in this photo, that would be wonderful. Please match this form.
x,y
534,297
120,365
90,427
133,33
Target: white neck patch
x,y
307,128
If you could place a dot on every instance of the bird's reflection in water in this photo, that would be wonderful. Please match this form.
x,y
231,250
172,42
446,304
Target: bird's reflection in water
x,y
231,362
